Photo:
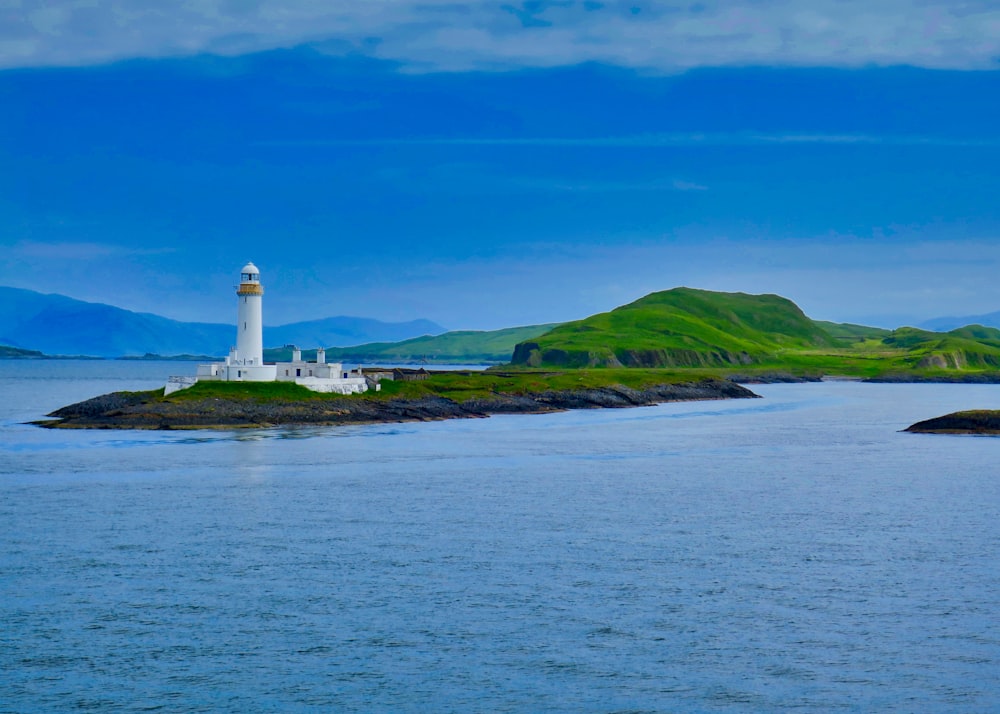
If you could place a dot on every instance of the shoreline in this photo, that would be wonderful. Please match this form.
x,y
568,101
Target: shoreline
x,y
143,410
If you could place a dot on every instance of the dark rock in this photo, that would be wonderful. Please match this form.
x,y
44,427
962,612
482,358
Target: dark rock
x,y
972,422
773,378
523,353
906,378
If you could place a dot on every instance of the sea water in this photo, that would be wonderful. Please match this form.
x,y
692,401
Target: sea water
x,y
791,552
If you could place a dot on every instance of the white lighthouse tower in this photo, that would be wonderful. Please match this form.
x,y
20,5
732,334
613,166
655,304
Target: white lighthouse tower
x,y
249,319
245,362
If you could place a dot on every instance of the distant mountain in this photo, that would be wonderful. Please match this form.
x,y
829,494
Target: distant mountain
x,y
56,324
944,324
346,331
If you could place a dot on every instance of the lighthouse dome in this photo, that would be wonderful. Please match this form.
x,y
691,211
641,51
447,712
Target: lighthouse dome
x,y
250,268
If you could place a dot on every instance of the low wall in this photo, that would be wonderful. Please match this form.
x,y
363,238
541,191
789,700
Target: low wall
x,y
352,385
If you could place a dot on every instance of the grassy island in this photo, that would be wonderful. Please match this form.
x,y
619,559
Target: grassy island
x,y
449,395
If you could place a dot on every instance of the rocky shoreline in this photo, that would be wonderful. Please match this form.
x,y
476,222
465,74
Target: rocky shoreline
x,y
129,410
904,378
981,421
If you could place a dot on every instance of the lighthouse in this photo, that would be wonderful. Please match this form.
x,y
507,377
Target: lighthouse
x,y
245,362
249,319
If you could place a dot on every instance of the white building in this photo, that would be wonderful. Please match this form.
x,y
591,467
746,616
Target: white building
x,y
245,362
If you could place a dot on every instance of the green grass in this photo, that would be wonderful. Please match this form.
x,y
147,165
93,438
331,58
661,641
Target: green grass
x,y
257,391
457,386
462,386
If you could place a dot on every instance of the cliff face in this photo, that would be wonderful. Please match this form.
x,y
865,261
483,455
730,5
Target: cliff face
x,y
532,355
959,359
122,410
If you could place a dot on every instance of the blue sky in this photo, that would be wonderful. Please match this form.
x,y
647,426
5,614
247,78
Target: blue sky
x,y
487,164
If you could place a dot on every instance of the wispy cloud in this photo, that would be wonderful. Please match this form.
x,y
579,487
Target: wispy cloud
x,y
77,251
688,186
645,141
443,35
469,179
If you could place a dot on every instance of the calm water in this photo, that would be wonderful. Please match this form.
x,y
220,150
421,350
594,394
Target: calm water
x,y
793,552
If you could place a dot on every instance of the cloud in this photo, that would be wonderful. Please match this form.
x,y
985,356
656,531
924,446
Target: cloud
x,y
443,35
77,251
680,185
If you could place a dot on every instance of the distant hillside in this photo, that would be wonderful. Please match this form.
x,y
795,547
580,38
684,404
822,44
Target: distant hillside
x,y
682,327
848,334
973,346
55,324
7,352
345,331
943,324
458,347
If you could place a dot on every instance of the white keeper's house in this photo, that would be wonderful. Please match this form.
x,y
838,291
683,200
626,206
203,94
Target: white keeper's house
x,y
245,362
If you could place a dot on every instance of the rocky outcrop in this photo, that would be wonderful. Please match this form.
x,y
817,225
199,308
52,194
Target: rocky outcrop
x,y
773,377
123,410
981,421
939,378
682,358
531,355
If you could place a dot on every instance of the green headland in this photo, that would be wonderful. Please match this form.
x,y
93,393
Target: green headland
x,y
743,336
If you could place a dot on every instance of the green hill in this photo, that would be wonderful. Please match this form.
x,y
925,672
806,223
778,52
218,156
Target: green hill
x,y
682,327
751,335
457,347
970,347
